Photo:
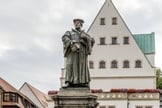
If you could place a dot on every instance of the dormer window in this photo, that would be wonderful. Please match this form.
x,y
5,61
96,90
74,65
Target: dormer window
x,y
114,21
102,21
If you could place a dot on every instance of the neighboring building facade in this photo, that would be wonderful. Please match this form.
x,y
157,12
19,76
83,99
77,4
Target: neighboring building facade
x,y
38,97
121,59
12,98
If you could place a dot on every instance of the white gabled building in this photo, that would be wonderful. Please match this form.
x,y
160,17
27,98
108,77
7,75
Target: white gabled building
x,y
117,61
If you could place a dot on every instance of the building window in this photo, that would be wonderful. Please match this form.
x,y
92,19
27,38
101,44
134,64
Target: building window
x,y
114,64
102,107
126,40
138,64
6,97
111,106
91,65
10,97
148,107
114,21
13,97
139,107
102,41
126,64
102,64
114,40
102,21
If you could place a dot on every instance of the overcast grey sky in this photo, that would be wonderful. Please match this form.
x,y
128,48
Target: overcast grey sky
x,y
31,31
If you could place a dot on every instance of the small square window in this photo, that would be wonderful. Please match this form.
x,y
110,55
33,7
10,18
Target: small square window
x,y
102,21
126,40
102,107
111,106
148,107
114,21
138,64
114,40
91,64
114,64
102,41
139,107
102,65
126,64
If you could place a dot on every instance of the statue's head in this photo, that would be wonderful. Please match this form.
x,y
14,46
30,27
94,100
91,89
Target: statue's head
x,y
78,23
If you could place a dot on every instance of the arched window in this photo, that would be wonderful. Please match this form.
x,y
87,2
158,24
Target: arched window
x,y
114,64
126,64
91,64
138,64
102,64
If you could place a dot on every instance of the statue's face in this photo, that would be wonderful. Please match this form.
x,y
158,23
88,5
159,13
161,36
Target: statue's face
x,y
78,25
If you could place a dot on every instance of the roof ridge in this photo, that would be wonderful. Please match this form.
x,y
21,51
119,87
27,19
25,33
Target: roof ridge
x,y
12,88
35,88
37,92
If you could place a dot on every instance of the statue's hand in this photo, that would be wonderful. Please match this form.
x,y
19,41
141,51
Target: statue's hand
x,y
73,42
83,35
75,47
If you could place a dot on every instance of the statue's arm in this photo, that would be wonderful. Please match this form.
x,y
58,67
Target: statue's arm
x,y
66,43
92,41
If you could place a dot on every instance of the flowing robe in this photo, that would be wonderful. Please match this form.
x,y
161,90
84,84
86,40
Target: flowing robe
x,y
77,72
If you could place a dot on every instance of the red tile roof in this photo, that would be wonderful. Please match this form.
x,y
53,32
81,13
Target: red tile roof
x,y
6,86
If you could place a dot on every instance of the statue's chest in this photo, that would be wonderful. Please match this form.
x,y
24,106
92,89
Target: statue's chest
x,y
75,36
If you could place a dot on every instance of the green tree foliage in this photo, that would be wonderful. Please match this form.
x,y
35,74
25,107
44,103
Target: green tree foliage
x,y
158,79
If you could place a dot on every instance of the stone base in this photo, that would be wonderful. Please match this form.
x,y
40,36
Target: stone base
x,y
75,98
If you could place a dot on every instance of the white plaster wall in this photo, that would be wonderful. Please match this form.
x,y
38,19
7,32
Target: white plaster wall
x,y
144,103
26,91
151,58
51,104
116,103
109,83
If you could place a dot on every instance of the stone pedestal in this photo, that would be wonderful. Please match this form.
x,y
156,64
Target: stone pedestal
x,y
75,98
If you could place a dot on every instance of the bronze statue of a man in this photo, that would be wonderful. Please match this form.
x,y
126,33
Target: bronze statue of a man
x,y
77,46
